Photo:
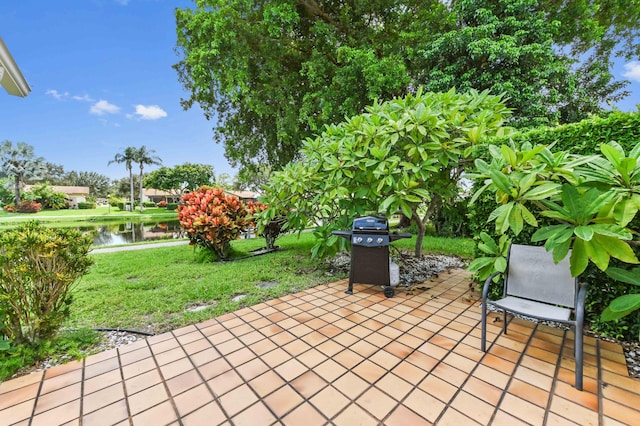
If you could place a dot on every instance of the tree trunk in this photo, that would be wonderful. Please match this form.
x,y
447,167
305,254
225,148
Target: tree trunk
x,y
141,208
421,231
16,181
131,188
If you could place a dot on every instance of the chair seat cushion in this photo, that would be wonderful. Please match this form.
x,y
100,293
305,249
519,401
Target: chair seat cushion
x,y
532,308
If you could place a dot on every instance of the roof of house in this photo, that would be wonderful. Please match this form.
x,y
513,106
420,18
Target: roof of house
x,y
150,192
244,195
69,190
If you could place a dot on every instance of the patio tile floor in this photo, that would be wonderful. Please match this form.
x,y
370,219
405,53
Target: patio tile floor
x,y
322,357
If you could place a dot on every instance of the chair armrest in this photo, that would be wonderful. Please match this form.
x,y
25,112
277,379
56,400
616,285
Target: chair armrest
x,y
487,284
580,298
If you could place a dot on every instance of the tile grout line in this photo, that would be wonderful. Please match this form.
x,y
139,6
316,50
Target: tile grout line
x,y
164,381
80,414
554,383
124,387
599,384
35,400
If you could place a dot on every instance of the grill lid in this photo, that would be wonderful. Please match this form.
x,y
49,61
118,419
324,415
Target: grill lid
x,y
370,223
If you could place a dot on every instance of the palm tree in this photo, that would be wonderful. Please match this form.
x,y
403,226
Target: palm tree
x,y
20,163
128,157
145,156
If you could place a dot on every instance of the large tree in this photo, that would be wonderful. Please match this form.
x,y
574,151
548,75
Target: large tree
x,y
144,157
98,184
128,156
177,179
275,72
20,163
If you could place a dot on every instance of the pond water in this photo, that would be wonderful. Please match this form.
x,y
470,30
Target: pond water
x,y
111,234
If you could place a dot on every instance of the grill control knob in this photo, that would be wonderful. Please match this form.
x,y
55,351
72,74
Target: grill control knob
x,y
379,240
358,239
369,240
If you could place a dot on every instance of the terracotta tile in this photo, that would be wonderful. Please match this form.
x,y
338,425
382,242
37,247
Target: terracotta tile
x,y
524,410
296,347
214,368
241,330
257,414
478,409
452,417
369,371
346,339
252,337
450,374
240,356
183,382
354,415
304,414
329,401
283,400
112,414
66,367
225,382
314,338
237,400
308,384
192,399
575,412
410,341
529,393
162,346
483,390
424,404
94,359
384,359
290,369
229,346
497,378
505,419
409,372
204,356
394,386
170,356
185,331
142,381
58,397
61,414
439,388
364,348
312,357
348,359
147,398
583,398
137,368
159,414
134,356
498,364
14,397
361,331
533,378
433,351
20,382
18,412
276,357
505,353
402,416
61,381
266,383
316,323
191,335
350,384
376,403
263,346
623,396
398,349
176,368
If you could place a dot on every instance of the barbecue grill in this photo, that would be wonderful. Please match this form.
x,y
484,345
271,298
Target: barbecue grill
x,y
370,239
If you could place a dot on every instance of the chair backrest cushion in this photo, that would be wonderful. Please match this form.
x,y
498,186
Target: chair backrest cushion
x,y
534,275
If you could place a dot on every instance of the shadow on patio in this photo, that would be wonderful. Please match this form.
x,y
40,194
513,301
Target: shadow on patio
x,y
323,357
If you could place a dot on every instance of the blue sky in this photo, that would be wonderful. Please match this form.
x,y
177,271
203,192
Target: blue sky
x,y
101,79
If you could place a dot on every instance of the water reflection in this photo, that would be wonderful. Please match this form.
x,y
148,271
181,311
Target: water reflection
x,y
131,232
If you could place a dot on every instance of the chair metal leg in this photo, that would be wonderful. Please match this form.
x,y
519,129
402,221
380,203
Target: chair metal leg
x,y
504,321
578,350
483,342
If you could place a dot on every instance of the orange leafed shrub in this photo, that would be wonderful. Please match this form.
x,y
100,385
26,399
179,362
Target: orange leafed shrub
x,y
212,219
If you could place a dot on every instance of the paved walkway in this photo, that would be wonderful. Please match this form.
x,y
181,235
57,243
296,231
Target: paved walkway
x,y
321,357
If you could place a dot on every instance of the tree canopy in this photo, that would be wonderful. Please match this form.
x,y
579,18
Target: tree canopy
x,y
20,163
275,72
177,179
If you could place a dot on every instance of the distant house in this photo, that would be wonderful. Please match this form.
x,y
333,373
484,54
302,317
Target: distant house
x,y
74,194
244,196
158,195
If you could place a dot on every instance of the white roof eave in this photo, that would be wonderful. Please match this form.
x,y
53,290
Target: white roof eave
x,y
11,77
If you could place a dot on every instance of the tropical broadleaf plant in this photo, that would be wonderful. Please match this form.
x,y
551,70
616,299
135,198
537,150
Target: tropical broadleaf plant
x,y
494,259
628,303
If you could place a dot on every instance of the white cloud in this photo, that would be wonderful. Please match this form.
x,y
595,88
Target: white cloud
x,y
632,71
151,112
83,98
56,94
103,107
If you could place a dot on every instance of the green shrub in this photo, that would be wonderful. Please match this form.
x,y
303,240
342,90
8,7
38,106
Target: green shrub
x,y
38,266
148,204
122,206
172,206
87,206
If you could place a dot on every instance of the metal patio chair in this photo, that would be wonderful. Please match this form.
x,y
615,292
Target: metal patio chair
x,y
536,287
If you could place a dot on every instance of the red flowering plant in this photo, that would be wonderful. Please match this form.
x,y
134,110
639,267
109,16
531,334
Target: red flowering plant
x,y
212,219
